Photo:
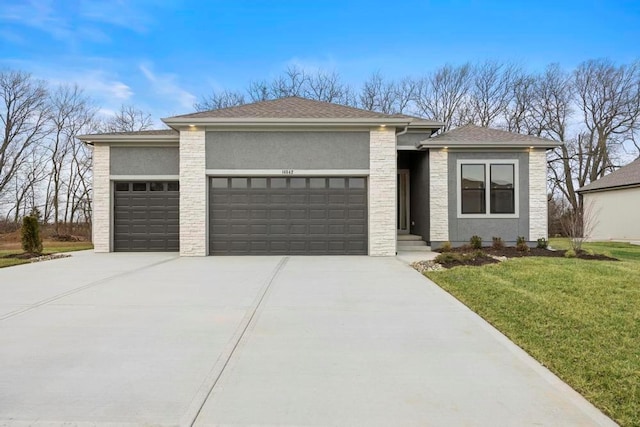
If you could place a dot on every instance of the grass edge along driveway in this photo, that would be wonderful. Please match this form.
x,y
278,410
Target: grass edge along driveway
x,y
579,318
48,248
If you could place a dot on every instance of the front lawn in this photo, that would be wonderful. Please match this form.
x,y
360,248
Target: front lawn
x,y
579,318
48,248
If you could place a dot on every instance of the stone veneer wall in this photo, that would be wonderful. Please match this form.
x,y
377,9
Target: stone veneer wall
x,y
438,195
538,227
382,192
193,194
101,215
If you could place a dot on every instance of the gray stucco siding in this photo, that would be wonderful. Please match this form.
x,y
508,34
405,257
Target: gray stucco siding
x,y
144,161
412,139
461,229
287,150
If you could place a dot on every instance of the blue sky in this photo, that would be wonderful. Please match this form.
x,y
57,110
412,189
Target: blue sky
x,y
163,55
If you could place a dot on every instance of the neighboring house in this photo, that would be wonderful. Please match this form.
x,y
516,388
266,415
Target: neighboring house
x,y
614,202
296,176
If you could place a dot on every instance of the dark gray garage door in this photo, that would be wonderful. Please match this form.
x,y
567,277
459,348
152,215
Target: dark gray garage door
x,y
146,216
295,216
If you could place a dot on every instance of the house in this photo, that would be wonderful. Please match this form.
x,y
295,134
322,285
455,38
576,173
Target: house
x,y
296,176
614,201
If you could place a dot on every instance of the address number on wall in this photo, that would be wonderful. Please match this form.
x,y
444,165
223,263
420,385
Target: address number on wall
x,y
287,171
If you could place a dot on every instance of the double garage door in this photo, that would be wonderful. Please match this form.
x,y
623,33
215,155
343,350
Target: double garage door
x,y
249,216
146,216
288,215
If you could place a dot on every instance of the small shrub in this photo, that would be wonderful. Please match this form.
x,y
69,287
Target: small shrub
x,y
521,244
30,234
476,242
446,247
570,253
478,254
497,243
542,243
448,257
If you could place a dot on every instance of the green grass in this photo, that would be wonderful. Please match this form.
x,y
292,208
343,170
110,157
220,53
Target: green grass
x,y
49,248
579,318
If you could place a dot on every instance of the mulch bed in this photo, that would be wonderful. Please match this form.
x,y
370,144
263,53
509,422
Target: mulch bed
x,y
24,255
36,257
466,255
512,252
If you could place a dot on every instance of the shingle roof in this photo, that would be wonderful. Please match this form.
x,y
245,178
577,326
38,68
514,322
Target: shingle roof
x,y
291,108
625,176
477,135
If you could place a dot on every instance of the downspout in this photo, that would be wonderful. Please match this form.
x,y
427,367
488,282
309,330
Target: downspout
x,y
402,132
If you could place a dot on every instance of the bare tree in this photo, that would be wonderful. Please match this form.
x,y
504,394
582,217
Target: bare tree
x,y
377,94
609,100
128,119
70,113
222,99
327,87
578,224
491,91
290,83
443,95
23,116
258,90
520,112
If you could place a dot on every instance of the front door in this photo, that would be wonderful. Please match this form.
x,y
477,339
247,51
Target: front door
x,y
403,201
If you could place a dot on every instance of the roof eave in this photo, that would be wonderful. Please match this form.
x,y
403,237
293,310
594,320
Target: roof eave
x,y
180,122
451,144
610,187
90,139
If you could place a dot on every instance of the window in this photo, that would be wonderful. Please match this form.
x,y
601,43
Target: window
x,y
173,186
219,182
487,188
122,186
473,189
502,189
258,182
238,182
139,186
156,186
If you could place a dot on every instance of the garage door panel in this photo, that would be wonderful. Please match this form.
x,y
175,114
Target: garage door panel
x,y
318,214
278,214
259,198
239,213
146,220
318,199
288,216
296,213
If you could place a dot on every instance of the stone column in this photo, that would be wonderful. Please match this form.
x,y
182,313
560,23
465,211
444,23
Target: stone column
x,y
101,209
439,195
382,192
538,227
193,194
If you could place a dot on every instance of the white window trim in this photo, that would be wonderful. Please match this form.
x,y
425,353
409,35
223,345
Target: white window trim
x,y
487,163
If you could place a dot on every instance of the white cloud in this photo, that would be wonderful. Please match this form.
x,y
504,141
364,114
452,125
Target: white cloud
x,y
121,13
165,84
38,14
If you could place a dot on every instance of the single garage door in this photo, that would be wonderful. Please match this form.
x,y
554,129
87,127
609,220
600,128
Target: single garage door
x,y
293,215
146,216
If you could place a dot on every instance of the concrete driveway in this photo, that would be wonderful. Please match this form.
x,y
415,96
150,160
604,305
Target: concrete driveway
x,y
155,339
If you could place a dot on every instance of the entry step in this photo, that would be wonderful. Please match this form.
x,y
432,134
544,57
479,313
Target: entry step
x,y
403,243
414,248
408,237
